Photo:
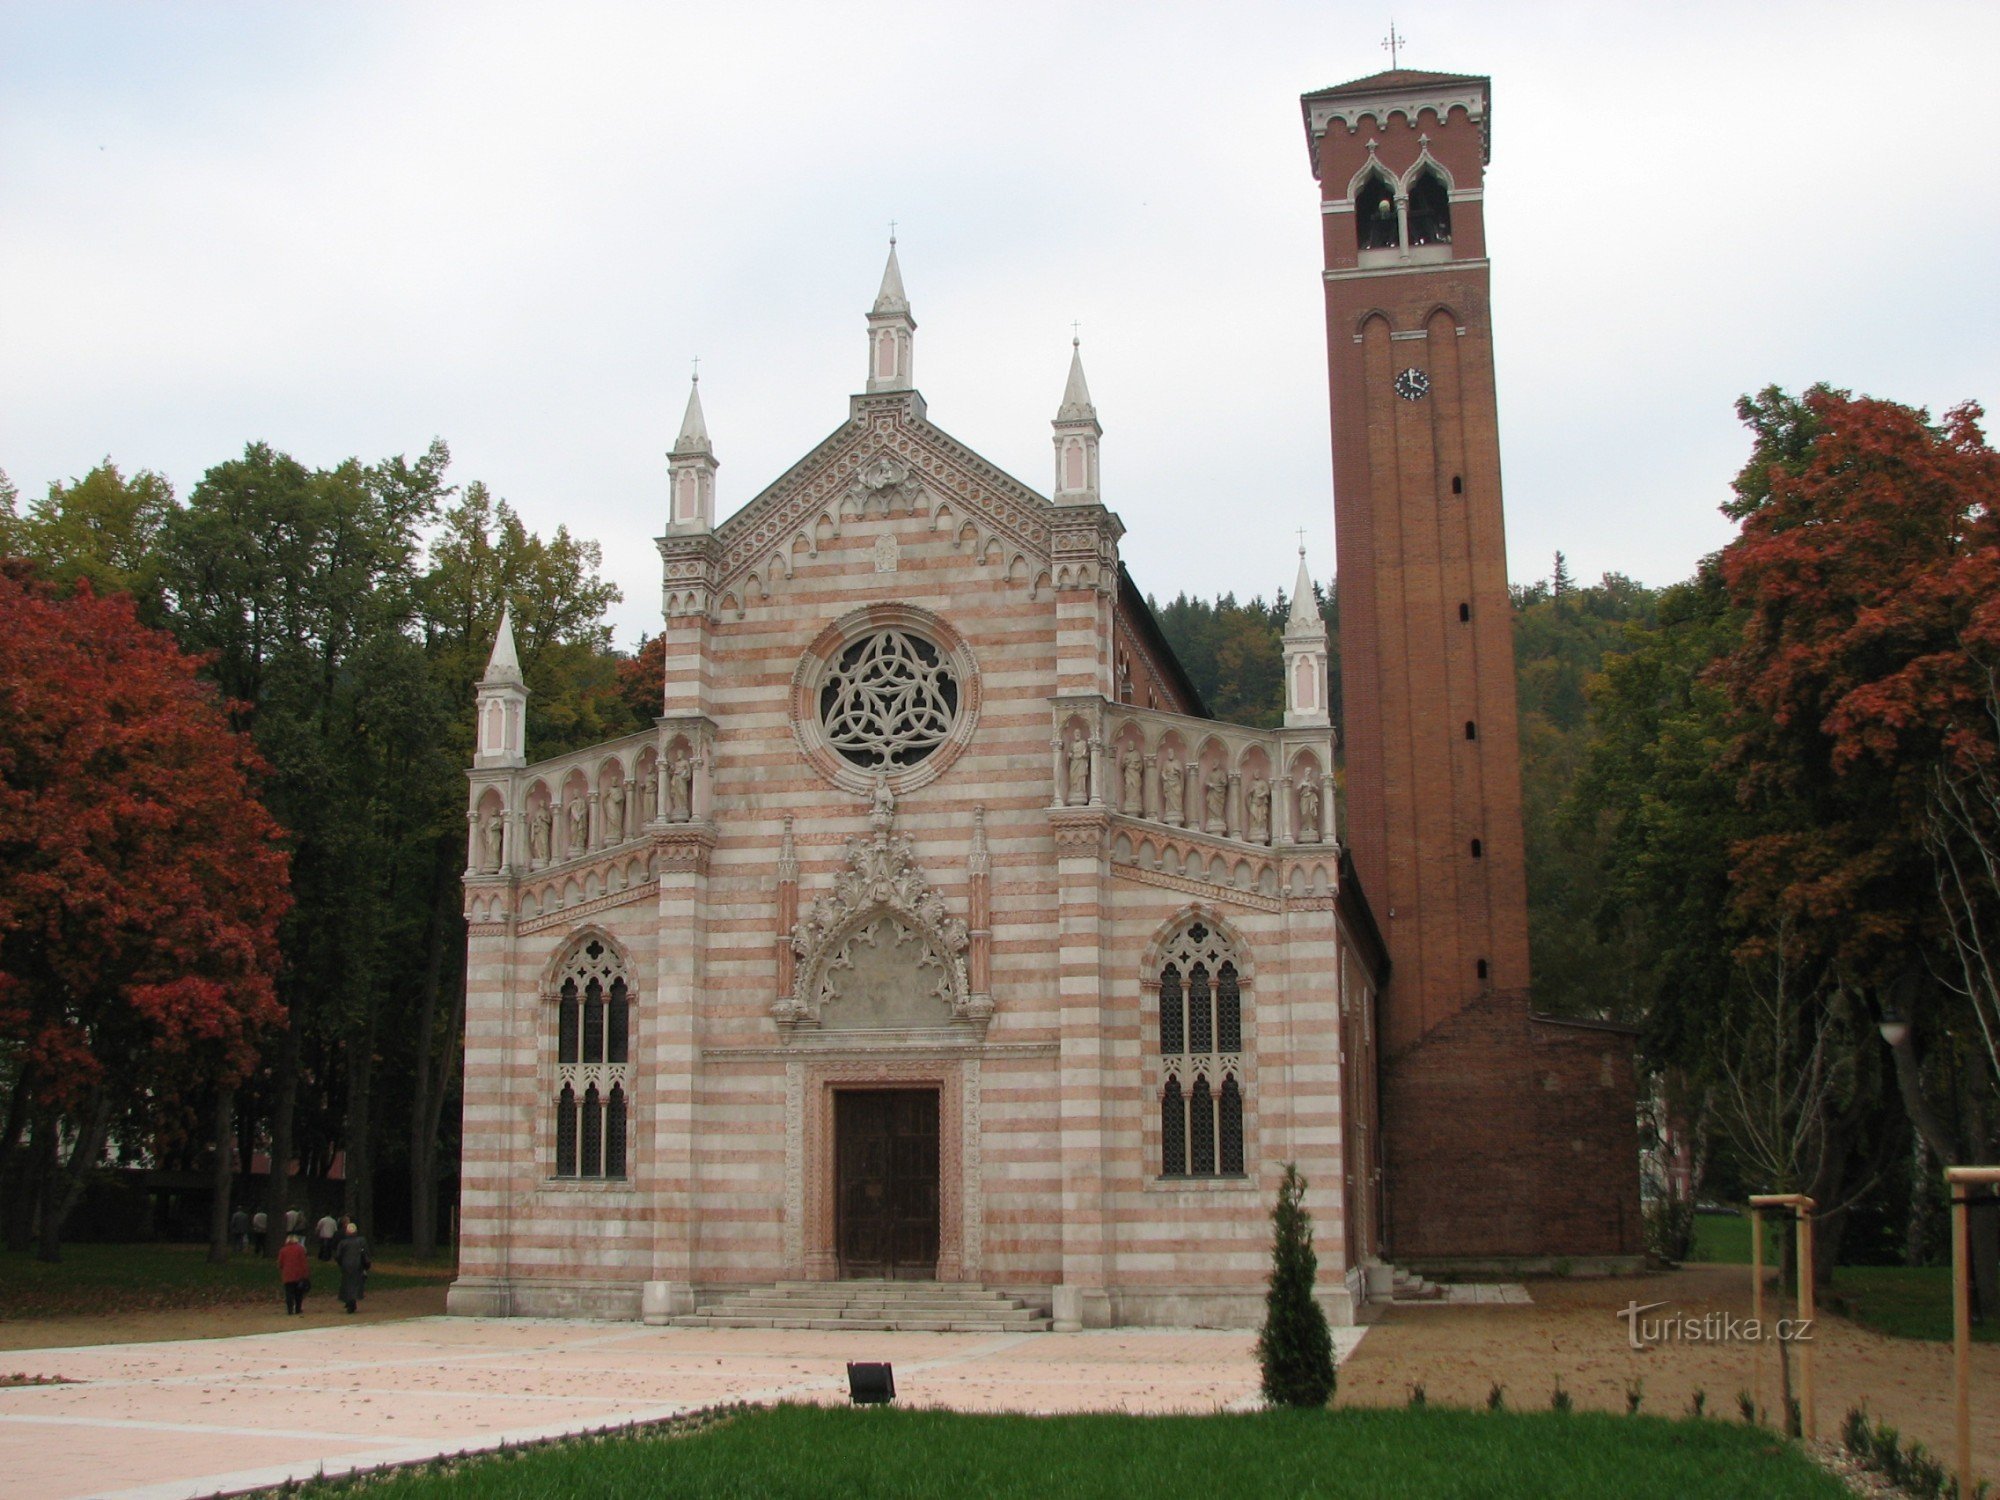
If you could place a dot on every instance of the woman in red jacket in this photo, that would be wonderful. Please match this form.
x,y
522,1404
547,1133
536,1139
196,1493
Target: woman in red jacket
x,y
295,1271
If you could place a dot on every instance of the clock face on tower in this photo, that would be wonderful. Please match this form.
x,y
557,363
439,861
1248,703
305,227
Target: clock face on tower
x,y
1413,384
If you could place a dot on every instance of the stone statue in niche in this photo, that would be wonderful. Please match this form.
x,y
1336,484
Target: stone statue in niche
x,y
1309,811
680,787
614,813
1135,787
1215,793
649,794
1170,792
541,825
493,840
1079,768
1260,813
579,826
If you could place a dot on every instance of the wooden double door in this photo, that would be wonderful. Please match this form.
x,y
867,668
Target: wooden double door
x,y
886,1182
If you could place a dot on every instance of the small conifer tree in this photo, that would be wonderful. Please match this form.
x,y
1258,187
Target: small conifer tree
x,y
1295,1348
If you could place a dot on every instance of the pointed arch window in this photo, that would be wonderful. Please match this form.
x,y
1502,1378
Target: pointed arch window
x,y
1200,1031
593,1048
1430,209
1375,225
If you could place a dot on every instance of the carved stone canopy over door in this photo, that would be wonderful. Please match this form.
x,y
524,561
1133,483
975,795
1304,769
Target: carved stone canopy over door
x,y
881,950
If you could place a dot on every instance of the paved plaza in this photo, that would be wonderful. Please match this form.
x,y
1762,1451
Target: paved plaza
x,y
169,1420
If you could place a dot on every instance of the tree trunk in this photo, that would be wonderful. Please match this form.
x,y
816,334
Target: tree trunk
x,y
358,1197
66,1187
221,1177
434,1070
41,1153
16,1164
284,1104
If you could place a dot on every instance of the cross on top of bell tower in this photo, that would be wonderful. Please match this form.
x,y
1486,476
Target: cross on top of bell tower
x,y
1393,45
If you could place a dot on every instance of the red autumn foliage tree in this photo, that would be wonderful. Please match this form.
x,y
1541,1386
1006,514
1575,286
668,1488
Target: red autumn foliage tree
x,y
1869,570
141,888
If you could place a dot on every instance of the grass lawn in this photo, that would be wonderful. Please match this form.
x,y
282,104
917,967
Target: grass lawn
x,y
155,1278
1909,1302
1435,1454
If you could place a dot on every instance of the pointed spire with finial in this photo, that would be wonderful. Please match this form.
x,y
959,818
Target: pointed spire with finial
x,y
1076,394
892,298
504,665
694,427
1077,433
891,331
1304,612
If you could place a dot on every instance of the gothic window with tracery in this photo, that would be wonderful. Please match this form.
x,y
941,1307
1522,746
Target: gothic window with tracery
x,y
593,1051
889,701
1201,1057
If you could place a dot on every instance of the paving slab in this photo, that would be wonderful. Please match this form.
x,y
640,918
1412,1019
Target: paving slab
x,y
170,1421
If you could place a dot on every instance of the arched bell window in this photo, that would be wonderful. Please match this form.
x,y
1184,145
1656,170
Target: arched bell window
x,y
593,1062
1375,214
1430,209
1200,1036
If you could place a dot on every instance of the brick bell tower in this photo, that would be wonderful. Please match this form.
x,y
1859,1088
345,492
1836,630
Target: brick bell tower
x,y
1432,747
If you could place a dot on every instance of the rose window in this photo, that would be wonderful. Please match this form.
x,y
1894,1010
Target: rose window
x,y
888,701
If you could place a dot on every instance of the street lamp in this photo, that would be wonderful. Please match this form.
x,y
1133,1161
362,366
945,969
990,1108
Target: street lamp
x,y
1895,1022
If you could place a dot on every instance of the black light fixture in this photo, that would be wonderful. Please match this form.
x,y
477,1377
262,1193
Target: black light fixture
x,y
870,1384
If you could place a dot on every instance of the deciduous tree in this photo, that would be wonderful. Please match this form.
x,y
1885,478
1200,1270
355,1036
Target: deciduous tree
x,y
141,886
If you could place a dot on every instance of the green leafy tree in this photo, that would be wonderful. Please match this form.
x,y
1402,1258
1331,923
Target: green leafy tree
x,y
1295,1348
103,527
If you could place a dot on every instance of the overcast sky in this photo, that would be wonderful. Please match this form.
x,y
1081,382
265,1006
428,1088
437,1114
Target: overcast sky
x,y
346,229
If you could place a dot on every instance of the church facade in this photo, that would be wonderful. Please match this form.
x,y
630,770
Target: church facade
x,y
936,931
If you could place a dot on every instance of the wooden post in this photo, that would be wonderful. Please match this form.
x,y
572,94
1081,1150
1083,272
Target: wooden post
x,y
1757,1311
1958,1183
1800,1206
1810,1424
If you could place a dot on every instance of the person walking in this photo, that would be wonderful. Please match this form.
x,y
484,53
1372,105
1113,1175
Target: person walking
x,y
328,1230
239,1230
351,1254
260,1231
296,1273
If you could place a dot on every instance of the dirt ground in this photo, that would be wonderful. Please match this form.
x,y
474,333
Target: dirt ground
x,y
1573,1330
214,1322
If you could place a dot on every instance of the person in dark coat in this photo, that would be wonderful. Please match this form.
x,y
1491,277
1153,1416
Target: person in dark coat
x,y
351,1255
296,1273
239,1230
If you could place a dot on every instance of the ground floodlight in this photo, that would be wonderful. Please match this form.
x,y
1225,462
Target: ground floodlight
x,y
870,1384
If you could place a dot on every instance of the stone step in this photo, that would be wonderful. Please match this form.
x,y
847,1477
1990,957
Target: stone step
x,y
902,1324
763,1307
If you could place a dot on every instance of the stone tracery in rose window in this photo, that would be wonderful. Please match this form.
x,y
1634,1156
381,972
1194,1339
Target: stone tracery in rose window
x,y
889,700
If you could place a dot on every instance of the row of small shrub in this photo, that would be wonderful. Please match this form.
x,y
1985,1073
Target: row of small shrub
x,y
1908,1466
1561,1400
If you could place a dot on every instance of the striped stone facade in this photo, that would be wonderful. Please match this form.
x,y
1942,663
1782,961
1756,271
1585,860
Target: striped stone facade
x,y
1082,814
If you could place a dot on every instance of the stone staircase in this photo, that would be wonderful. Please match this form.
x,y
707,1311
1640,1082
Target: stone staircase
x,y
1408,1286
878,1306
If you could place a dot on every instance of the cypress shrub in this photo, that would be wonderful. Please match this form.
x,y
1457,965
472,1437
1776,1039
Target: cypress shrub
x,y
1295,1348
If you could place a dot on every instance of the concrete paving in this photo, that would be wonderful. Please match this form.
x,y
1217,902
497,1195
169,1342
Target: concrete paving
x,y
172,1420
